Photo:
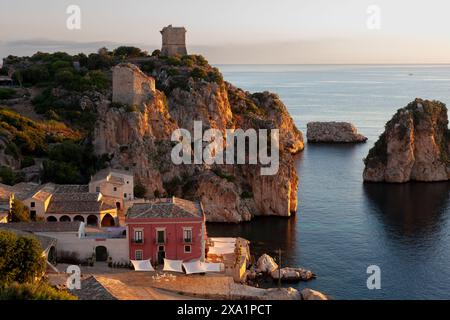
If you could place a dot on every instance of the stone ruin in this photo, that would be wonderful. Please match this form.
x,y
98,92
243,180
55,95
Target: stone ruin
x,y
131,86
173,41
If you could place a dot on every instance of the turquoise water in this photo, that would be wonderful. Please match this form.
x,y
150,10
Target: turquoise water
x,y
343,225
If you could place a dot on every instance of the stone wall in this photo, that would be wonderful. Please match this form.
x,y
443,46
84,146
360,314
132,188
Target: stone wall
x,y
173,41
131,86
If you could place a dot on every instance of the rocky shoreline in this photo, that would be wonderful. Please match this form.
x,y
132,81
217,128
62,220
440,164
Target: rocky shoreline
x,y
266,271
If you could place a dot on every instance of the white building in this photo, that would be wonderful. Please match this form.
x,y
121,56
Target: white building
x,y
75,239
114,183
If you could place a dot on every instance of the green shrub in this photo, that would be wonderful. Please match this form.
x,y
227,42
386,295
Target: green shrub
x,y
215,76
31,291
9,177
148,66
6,93
35,74
139,190
223,175
173,61
21,259
199,73
27,161
130,52
19,212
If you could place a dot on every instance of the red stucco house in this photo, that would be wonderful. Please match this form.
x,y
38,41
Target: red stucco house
x,y
171,228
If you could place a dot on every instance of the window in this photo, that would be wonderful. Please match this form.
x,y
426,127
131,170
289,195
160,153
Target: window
x,y
97,189
138,255
128,182
187,235
32,204
138,236
187,249
124,195
160,248
33,215
160,236
115,188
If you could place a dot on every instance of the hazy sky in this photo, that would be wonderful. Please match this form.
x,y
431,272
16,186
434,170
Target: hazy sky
x,y
238,31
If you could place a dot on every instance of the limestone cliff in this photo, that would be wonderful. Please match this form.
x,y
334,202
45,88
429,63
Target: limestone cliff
x,y
138,137
414,146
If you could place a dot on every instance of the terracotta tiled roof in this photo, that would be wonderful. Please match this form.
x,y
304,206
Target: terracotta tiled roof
x,y
78,203
166,208
92,289
71,188
81,196
24,190
42,226
44,192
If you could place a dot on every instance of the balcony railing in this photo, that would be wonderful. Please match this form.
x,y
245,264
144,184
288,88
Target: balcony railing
x,y
160,241
138,241
187,240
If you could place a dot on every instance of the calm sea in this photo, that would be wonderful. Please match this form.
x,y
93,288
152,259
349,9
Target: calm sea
x,y
343,225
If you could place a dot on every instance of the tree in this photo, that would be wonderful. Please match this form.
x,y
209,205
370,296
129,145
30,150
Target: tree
x,y
19,212
22,258
139,190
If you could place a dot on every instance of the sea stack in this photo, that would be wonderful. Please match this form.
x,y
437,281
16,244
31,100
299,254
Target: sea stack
x,y
413,147
333,132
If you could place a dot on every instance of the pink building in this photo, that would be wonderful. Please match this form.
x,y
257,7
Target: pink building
x,y
170,228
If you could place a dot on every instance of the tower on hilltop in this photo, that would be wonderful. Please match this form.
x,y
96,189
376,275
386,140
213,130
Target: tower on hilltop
x,y
173,41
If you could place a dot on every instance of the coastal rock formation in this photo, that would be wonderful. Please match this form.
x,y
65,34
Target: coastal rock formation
x,y
333,132
266,264
292,274
135,132
309,294
414,146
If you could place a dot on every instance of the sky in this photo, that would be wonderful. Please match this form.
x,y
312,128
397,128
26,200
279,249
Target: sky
x,y
240,31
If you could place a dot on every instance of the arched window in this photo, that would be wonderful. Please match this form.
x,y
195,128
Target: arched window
x,y
64,219
78,218
108,221
92,221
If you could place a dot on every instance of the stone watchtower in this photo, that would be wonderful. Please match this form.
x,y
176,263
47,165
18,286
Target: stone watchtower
x,y
173,41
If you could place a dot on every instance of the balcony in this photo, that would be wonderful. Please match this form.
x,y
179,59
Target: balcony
x,y
160,241
138,241
187,241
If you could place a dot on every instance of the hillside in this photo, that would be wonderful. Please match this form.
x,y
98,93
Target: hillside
x,y
76,91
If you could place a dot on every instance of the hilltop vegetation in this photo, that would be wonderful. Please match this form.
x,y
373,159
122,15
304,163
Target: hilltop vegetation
x,y
67,88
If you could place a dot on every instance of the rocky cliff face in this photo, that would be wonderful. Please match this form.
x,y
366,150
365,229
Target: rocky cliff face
x,y
139,138
414,146
333,132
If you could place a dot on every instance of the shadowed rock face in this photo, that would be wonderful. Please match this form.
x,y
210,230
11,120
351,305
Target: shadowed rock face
x,y
413,147
139,138
333,132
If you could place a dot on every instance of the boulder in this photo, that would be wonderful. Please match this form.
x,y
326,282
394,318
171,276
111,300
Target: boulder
x,y
333,132
266,264
309,294
282,294
415,146
292,274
